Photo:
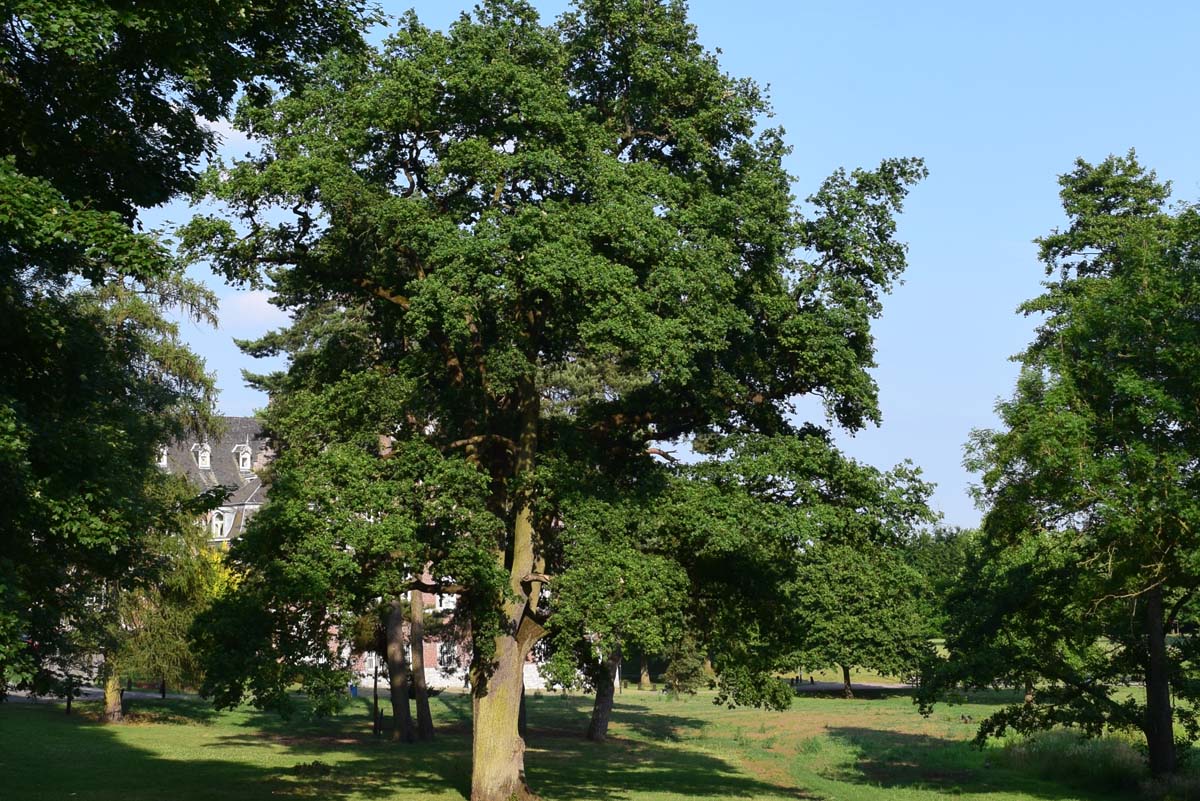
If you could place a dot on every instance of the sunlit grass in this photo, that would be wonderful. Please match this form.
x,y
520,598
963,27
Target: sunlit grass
x,y
661,748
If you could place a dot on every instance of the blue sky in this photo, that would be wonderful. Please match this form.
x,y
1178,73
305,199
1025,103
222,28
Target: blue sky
x,y
999,99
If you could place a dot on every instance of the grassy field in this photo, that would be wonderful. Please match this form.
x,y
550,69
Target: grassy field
x,y
661,748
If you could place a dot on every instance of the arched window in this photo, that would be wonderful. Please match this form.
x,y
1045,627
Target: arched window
x,y
244,460
218,524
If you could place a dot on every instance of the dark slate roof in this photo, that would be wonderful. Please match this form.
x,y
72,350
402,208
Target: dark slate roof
x,y
240,433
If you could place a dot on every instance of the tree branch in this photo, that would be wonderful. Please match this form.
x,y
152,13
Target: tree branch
x,y
670,457
436,588
479,439
382,292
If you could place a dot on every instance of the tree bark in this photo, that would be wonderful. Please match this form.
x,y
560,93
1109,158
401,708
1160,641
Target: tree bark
x,y
1160,734
497,748
644,676
847,689
113,711
397,661
417,637
602,710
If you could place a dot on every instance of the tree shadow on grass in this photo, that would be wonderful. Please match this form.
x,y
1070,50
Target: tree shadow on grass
x,y
560,763
655,723
249,755
924,762
48,755
573,769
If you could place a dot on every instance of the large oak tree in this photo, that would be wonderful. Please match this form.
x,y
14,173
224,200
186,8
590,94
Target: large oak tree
x,y
570,242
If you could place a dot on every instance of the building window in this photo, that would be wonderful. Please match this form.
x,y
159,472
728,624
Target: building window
x,y
218,524
448,657
203,454
162,457
244,460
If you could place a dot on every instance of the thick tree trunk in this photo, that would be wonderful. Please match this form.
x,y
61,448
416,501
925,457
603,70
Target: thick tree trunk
x,y
497,748
113,711
602,710
1160,735
644,675
397,662
847,689
424,719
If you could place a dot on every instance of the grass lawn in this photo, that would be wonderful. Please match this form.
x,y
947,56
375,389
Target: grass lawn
x,y
822,748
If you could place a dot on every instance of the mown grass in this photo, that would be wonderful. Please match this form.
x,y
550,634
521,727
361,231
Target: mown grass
x,y
822,748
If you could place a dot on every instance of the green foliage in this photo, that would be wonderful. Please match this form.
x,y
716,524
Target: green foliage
x,y
940,556
153,619
685,672
103,105
770,529
93,383
858,609
101,99
519,256
1087,549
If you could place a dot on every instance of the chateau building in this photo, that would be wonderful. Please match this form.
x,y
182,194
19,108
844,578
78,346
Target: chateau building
x,y
233,461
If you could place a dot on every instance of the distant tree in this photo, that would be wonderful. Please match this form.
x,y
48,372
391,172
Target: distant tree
x,y
92,382
837,591
1088,545
627,590
940,556
185,575
859,609
684,672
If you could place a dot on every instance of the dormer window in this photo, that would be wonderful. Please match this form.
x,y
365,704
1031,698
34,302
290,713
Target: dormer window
x,y
241,454
218,524
162,457
203,454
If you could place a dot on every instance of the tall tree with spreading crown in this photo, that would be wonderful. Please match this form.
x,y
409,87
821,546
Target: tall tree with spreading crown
x,y
570,244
